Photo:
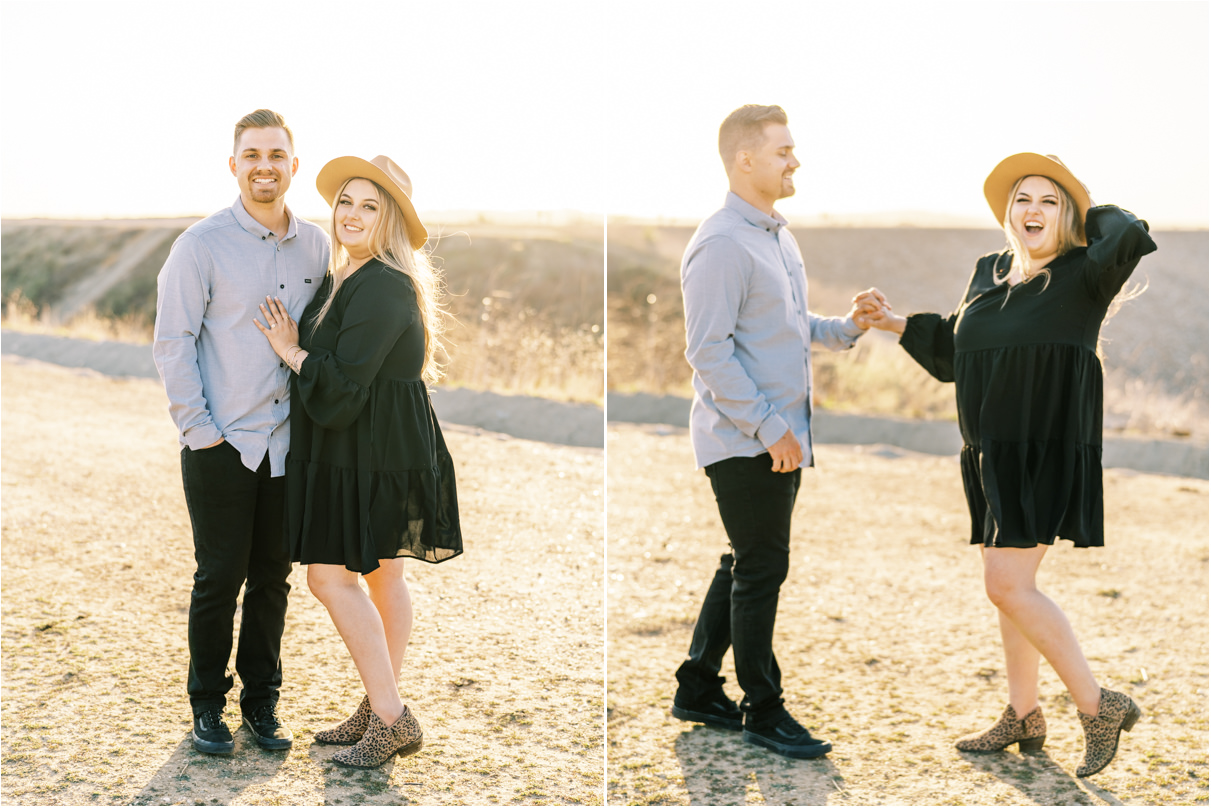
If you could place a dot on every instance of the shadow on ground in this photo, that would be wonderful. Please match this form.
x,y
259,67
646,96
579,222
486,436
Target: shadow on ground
x,y
720,769
248,765
1039,778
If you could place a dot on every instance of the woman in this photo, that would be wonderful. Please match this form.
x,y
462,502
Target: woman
x,y
369,480
1022,351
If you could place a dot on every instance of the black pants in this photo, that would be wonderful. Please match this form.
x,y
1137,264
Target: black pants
x,y
238,540
755,504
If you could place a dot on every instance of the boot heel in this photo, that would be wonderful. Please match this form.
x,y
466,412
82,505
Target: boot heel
x,y
1031,746
1132,716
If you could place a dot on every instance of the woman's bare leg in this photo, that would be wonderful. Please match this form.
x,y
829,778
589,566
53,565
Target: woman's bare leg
x,y
389,593
361,627
1009,580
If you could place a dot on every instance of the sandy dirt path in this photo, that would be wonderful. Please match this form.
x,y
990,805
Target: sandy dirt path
x,y
504,670
887,644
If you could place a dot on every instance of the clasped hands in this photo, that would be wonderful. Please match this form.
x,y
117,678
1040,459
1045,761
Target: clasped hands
x,y
871,310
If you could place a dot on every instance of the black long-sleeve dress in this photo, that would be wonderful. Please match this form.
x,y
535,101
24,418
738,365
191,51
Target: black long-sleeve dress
x,y
368,475
1028,384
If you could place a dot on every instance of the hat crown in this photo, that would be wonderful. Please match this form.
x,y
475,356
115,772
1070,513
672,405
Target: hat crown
x,y
388,167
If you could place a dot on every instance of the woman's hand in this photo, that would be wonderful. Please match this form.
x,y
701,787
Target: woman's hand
x,y
282,332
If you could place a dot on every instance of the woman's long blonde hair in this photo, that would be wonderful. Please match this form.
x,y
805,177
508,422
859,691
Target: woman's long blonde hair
x,y
1070,229
389,243
1069,232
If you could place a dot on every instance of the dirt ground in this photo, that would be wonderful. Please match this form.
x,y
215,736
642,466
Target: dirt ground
x,y
504,670
888,645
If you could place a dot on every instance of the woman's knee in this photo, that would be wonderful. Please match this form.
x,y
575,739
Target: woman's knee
x,y
388,577
326,580
1005,589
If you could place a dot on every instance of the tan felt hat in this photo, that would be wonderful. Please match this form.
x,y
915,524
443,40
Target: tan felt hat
x,y
385,172
1002,179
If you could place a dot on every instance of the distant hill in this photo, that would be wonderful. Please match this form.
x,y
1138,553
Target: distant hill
x,y
552,270
1155,344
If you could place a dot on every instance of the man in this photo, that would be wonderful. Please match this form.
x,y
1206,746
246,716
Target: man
x,y
230,398
748,337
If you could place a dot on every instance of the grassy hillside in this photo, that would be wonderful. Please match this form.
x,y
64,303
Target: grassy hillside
x,y
527,302
1155,347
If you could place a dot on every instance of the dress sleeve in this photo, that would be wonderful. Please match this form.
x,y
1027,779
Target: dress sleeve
x,y
334,385
930,339
1117,242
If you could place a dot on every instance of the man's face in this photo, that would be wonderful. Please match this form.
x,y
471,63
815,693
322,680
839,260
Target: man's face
x,y
263,165
773,163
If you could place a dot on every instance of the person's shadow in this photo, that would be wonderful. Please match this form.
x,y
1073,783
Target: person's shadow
x,y
343,786
1039,778
720,769
188,776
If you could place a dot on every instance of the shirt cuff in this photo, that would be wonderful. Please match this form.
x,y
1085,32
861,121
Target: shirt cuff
x,y
852,329
772,430
202,436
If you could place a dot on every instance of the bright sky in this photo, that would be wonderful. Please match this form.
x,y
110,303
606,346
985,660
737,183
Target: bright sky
x,y
117,109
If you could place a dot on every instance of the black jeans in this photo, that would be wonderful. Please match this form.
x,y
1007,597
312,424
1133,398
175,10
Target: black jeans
x,y
755,504
238,540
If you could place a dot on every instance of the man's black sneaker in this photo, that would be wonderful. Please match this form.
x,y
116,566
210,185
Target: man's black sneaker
x,y
715,710
210,734
266,729
786,736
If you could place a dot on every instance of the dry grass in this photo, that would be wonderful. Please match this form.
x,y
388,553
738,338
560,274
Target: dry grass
x,y
1156,374
513,350
504,670
526,298
22,315
888,646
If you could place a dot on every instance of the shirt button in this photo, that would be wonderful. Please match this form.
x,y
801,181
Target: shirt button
x,y
281,365
262,238
281,286
275,401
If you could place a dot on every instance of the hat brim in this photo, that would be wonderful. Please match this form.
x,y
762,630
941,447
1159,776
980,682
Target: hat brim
x,y
339,169
1002,179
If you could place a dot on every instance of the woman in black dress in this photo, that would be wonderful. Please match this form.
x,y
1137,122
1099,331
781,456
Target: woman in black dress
x,y
1021,349
369,480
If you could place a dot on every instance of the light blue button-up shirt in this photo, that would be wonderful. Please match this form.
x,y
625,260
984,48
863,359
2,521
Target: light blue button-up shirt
x,y
222,378
749,334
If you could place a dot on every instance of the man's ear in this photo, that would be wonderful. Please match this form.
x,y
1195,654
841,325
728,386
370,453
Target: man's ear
x,y
744,161
231,165
294,166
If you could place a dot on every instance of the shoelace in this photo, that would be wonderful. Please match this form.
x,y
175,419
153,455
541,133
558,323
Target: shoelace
x,y
211,719
266,714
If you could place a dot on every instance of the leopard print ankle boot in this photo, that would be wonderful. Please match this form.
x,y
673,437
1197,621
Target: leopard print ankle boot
x,y
349,731
1028,733
1116,713
382,742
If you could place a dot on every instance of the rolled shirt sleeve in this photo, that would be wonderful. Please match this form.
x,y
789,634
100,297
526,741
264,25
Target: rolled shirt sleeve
x,y
749,334
183,293
716,278
221,375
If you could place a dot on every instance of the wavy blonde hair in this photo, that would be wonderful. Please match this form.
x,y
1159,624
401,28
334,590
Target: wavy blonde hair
x,y
1069,232
389,243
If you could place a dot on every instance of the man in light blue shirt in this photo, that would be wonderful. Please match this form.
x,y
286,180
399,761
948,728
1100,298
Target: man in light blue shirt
x,y
748,339
229,395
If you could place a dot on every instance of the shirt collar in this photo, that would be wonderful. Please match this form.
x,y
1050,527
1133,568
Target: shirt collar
x,y
245,220
770,224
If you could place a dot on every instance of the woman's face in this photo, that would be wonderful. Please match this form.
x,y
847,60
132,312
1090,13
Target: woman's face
x,y
1034,215
356,211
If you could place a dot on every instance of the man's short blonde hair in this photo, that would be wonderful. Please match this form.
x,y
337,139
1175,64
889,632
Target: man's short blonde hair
x,y
745,128
261,119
